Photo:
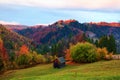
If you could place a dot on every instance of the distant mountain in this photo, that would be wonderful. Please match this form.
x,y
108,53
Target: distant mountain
x,y
15,27
70,29
112,24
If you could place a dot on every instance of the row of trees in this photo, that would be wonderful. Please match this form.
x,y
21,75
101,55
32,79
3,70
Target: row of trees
x,y
105,41
93,51
21,58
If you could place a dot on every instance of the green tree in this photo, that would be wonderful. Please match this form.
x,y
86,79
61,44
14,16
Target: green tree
x,y
12,56
9,45
112,44
83,52
103,42
54,49
58,49
24,59
108,42
96,43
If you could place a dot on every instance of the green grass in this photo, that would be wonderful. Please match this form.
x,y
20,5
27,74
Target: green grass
x,y
103,70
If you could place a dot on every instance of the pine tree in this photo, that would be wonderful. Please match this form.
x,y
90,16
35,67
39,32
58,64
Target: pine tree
x,y
111,44
96,43
108,42
103,42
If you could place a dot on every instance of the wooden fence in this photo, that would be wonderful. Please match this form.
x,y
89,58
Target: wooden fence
x,y
116,57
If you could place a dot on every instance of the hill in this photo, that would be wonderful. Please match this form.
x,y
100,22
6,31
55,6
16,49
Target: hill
x,y
49,34
12,39
103,70
69,29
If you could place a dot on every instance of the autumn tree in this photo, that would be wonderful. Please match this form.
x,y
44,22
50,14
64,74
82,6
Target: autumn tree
x,y
3,51
68,55
1,60
102,53
3,55
24,49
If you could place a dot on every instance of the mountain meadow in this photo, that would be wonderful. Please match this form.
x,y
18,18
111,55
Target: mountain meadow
x,y
102,70
64,50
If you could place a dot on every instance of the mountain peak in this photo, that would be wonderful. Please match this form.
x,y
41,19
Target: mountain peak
x,y
62,23
69,21
66,21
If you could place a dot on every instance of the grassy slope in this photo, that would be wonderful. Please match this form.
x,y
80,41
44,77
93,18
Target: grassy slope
x,y
103,70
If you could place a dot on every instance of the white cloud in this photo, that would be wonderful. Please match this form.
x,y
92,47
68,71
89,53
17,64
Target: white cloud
x,y
68,4
11,23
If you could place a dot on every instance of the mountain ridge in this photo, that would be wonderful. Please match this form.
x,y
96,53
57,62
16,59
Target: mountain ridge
x,y
20,26
63,29
68,30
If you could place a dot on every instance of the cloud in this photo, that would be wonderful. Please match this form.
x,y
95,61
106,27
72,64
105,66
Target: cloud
x,y
110,5
11,23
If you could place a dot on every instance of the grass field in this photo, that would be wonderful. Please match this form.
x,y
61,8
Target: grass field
x,y
103,70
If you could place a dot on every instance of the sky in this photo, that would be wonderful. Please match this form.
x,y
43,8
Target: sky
x,y
33,12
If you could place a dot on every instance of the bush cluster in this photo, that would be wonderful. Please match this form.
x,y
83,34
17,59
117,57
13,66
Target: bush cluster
x,y
103,54
30,59
87,53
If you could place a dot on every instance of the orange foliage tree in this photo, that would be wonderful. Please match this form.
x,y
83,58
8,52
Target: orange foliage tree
x,y
68,56
3,52
4,59
24,49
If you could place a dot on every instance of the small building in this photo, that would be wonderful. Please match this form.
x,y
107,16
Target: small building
x,y
59,62
62,61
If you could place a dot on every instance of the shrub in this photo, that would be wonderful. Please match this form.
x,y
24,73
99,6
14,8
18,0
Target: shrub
x,y
41,59
83,52
38,58
34,59
102,53
24,59
49,59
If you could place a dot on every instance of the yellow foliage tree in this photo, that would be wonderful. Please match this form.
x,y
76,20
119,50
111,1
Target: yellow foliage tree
x,y
102,53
